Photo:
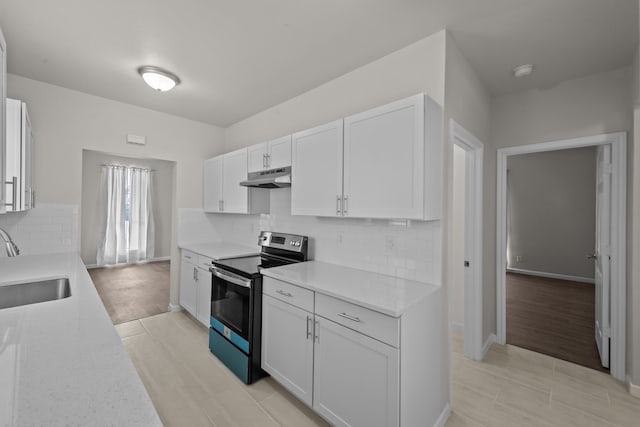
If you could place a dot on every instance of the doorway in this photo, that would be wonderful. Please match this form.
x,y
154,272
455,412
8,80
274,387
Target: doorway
x,y
612,291
465,227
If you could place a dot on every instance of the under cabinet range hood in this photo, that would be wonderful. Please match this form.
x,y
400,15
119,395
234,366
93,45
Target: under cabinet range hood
x,y
272,178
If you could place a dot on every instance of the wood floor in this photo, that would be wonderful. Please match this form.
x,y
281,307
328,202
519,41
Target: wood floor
x,y
133,291
553,317
512,387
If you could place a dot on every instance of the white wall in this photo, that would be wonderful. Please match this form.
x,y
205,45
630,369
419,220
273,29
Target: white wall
x,y
591,105
65,122
162,194
552,212
456,299
45,229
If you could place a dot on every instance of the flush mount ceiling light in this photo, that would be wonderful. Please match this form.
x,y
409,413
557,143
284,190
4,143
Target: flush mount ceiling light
x,y
159,79
523,70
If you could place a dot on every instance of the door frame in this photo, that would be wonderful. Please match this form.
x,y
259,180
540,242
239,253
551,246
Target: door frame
x,y
474,160
618,142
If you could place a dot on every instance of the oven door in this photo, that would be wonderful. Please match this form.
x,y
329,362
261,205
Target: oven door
x,y
231,300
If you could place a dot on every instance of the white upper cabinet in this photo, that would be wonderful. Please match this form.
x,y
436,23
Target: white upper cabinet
x,y
382,163
270,155
222,190
18,168
316,171
3,113
212,200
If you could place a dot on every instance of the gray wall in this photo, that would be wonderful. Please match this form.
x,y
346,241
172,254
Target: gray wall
x,y
161,196
551,199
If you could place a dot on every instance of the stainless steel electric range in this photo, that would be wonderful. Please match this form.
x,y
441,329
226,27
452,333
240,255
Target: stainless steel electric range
x,y
236,302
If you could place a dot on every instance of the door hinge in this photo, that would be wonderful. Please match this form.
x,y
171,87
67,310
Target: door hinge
x,y
607,168
466,264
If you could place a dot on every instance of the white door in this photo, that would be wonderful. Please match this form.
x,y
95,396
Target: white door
x,y
316,171
235,197
212,185
287,346
356,378
279,153
384,161
188,287
603,251
256,155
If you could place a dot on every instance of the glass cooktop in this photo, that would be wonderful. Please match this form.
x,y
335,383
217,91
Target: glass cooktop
x,y
250,266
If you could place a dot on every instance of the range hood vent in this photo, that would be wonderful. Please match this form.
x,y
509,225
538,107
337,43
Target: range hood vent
x,y
272,178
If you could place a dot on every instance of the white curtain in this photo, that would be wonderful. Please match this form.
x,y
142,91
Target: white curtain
x,y
128,232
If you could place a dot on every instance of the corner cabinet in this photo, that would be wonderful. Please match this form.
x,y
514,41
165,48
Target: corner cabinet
x,y
270,155
354,366
3,113
382,163
18,164
222,189
195,286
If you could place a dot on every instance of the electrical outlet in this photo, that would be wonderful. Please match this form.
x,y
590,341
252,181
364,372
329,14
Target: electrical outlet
x,y
389,243
519,258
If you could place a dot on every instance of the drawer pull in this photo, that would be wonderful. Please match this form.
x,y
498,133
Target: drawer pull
x,y
308,328
352,318
286,294
187,256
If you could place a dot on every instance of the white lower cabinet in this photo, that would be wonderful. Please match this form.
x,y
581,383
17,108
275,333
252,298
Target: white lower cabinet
x,y
287,346
195,286
355,377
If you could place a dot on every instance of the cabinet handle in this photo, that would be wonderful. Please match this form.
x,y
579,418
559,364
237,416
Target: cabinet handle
x,y
268,161
345,205
286,294
187,256
316,331
221,205
308,327
264,161
353,318
338,202
33,198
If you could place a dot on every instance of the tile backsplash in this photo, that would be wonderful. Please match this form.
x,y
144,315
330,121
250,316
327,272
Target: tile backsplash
x,y
44,229
407,249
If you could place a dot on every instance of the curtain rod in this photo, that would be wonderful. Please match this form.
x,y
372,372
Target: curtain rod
x,y
130,167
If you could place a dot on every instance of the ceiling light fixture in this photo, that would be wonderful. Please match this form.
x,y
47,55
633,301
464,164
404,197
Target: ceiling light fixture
x,y
159,79
523,70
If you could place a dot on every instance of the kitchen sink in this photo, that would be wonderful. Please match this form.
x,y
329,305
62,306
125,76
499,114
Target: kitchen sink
x,y
33,292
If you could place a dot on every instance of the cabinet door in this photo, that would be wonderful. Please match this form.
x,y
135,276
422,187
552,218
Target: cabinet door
x,y
287,346
257,157
27,160
188,287
3,113
316,171
279,154
384,161
235,197
13,154
356,378
203,296
212,186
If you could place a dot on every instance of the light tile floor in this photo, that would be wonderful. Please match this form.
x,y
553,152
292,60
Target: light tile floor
x,y
511,387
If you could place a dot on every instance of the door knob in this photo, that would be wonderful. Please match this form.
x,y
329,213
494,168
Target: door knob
x,y
592,256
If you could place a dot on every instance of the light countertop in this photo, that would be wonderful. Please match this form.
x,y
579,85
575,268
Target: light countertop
x,y
221,250
62,362
385,294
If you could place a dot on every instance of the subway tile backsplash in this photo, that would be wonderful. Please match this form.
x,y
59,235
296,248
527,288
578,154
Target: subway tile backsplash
x,y
410,250
44,229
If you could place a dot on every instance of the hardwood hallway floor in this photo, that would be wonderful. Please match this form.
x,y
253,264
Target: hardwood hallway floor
x,y
553,317
132,292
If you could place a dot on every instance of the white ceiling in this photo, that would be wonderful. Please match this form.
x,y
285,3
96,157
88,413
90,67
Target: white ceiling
x,y
238,57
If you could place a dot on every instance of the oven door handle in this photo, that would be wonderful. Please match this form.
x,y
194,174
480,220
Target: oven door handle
x,y
230,277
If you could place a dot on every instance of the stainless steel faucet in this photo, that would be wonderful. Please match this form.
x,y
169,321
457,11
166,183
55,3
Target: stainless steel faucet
x,y
12,248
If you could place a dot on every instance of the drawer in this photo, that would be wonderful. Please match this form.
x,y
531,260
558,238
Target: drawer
x,y
189,256
369,322
291,294
204,262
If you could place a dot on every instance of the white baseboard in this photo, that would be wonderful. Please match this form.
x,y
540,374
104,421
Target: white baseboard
x,y
552,275
487,344
444,416
634,390
174,307
146,261
457,326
